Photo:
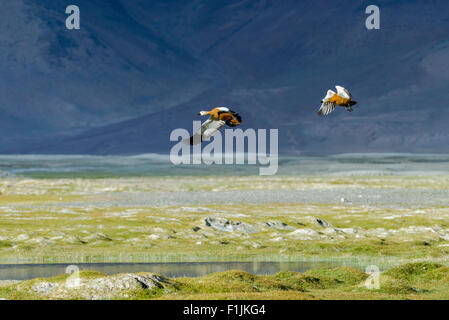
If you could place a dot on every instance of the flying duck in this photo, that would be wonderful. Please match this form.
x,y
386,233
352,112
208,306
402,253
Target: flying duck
x,y
218,118
342,98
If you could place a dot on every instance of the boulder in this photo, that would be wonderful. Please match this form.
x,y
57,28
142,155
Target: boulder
x,y
304,234
223,224
278,225
108,287
322,223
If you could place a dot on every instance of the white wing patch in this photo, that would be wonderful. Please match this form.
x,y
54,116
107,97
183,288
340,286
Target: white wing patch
x,y
326,108
342,92
329,95
207,130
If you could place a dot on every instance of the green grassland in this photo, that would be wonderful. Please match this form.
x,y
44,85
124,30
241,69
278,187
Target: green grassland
x,y
77,220
409,281
51,220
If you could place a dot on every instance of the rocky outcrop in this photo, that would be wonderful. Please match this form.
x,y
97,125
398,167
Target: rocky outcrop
x,y
304,234
322,223
223,224
107,287
278,225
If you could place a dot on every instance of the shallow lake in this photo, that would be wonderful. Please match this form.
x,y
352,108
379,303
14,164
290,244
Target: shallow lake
x,y
172,269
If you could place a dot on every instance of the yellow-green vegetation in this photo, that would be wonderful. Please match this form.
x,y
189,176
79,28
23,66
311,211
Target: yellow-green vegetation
x,y
81,220
408,281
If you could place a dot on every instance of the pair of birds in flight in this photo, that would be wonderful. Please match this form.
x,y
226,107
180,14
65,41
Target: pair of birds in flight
x,y
218,117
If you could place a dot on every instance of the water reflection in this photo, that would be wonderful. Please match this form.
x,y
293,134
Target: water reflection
x,y
172,270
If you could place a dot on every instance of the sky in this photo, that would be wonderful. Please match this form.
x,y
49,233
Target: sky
x,y
136,70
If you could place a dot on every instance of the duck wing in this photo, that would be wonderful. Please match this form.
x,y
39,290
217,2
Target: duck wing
x,y
207,130
326,108
235,121
342,92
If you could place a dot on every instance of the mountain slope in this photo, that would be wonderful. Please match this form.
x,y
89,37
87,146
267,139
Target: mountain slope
x,y
139,69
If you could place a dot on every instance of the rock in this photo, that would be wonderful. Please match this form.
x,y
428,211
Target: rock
x,y
444,237
153,237
196,229
44,287
278,225
378,232
304,234
223,224
40,240
22,237
347,230
278,239
109,287
97,236
329,231
322,223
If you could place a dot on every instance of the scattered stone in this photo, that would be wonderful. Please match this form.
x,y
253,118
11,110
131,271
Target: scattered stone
x,y
416,229
223,224
22,237
377,232
56,238
347,230
329,231
444,237
278,225
153,237
304,234
278,239
322,223
44,287
40,240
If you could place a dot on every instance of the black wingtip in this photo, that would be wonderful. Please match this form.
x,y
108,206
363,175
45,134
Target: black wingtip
x,y
194,139
237,117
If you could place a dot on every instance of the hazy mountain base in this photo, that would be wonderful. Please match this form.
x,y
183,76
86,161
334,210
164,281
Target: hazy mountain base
x,y
409,281
120,220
